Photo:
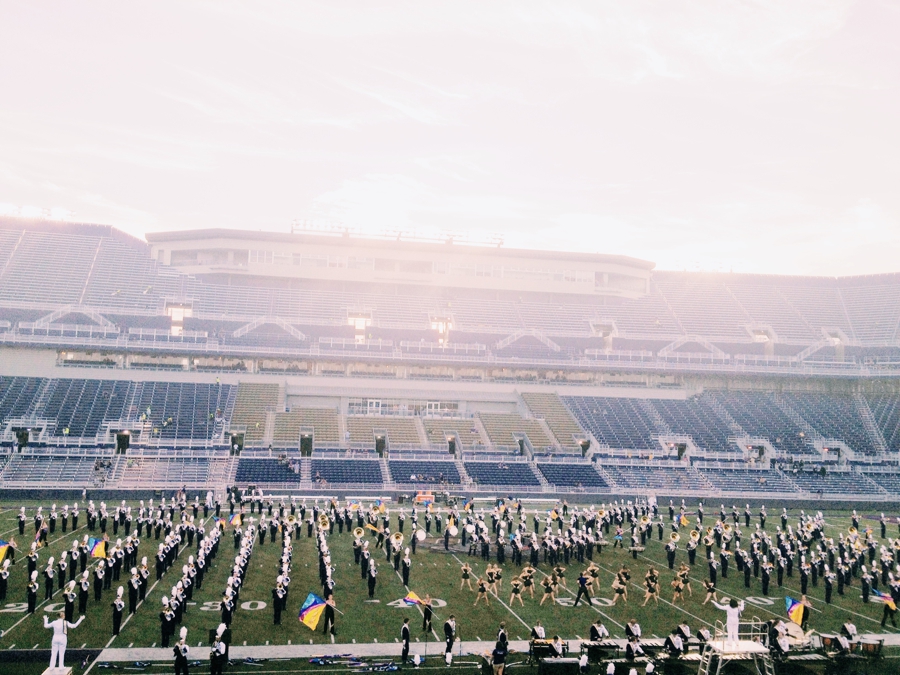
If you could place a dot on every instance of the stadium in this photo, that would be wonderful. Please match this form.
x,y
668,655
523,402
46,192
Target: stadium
x,y
331,387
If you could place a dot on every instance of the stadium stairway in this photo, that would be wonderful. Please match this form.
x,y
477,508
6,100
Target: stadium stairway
x,y
869,423
306,472
386,472
464,477
796,418
542,479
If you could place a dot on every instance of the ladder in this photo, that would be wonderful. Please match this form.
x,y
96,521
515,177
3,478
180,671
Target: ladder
x,y
705,661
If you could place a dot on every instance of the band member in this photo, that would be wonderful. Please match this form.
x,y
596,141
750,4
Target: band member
x,y
405,566
118,606
32,592
61,628
527,577
633,629
449,633
466,577
278,599
538,632
674,645
516,592
181,651
482,593
583,591
166,622
217,652
427,613
549,585
372,577
328,622
49,574
733,613
633,649
598,631
558,647
404,639
4,579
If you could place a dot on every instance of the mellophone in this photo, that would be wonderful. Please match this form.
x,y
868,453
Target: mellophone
x,y
543,649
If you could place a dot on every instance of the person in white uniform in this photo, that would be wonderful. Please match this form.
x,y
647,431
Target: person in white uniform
x,y
733,612
61,628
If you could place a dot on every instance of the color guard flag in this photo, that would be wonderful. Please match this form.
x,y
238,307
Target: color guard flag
x,y
684,520
311,610
97,547
235,519
467,505
412,599
4,548
370,526
379,506
877,596
794,609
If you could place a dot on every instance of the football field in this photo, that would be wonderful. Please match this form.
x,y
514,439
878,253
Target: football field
x,y
434,571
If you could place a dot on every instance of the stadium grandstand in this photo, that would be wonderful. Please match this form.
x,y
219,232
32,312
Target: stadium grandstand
x,y
296,361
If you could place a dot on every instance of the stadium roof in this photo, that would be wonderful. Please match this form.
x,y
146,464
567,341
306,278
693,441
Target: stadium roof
x,y
390,244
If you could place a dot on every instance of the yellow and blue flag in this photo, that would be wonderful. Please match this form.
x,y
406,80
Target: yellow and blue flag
x,y
311,610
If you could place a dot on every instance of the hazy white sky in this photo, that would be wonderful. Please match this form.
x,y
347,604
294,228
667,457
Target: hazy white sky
x,y
745,136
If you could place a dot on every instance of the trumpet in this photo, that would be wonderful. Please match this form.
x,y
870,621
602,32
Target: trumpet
x,y
323,521
359,532
674,537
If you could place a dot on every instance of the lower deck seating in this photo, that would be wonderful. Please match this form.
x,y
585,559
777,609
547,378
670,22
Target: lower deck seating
x,y
425,472
889,481
49,469
572,475
256,471
170,471
748,480
501,473
837,483
648,477
346,471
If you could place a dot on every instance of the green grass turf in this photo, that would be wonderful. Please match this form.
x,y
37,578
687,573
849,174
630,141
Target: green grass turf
x,y
433,572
